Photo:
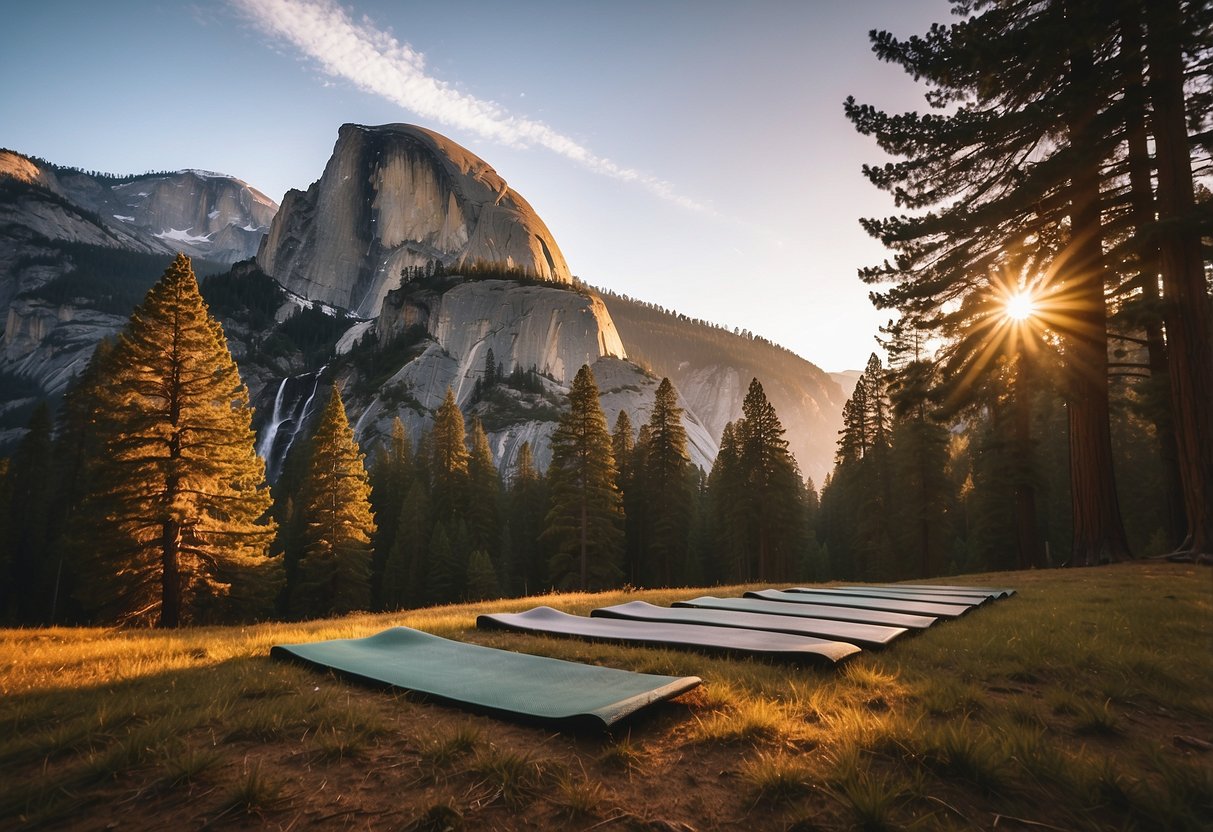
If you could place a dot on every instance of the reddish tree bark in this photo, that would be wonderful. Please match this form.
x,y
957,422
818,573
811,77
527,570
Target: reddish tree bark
x,y
1185,297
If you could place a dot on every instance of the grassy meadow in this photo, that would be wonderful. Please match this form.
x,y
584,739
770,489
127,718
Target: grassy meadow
x,y
1083,702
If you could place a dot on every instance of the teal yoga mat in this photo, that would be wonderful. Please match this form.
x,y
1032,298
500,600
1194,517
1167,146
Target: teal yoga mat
x,y
498,681
680,635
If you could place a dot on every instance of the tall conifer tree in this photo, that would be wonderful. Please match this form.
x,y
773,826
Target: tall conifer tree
x,y
631,489
484,494
772,493
528,501
180,492
585,520
448,460
391,475
666,473
404,570
726,489
338,522
30,579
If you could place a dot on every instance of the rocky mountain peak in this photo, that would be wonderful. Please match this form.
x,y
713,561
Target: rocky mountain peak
x,y
393,197
18,167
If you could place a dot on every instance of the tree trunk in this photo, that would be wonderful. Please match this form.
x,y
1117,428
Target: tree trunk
x,y
584,545
1099,534
1186,299
1143,208
170,577
1027,539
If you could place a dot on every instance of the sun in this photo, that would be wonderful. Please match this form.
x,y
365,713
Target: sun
x,y
1019,306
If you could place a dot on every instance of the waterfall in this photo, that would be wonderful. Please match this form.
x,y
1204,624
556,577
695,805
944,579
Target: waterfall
x,y
292,407
266,445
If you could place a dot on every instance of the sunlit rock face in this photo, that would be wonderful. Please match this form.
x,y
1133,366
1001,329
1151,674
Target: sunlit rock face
x,y
552,330
393,197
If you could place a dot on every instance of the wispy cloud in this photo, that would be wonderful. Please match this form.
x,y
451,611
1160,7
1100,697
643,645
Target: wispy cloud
x,y
376,62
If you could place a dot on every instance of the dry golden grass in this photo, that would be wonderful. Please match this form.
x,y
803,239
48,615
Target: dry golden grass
x,y
1070,706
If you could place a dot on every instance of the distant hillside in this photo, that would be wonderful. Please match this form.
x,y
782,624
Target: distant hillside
x,y
712,367
847,379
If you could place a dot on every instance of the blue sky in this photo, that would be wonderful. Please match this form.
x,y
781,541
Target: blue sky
x,y
693,154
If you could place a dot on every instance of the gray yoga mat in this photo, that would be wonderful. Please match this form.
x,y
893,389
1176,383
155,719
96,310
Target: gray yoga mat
x,y
806,610
864,635
989,592
885,604
498,681
903,595
546,620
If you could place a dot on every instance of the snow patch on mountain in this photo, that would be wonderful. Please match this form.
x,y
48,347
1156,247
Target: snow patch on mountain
x,y
182,236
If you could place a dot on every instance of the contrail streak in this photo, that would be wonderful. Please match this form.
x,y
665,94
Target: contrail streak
x,y
375,62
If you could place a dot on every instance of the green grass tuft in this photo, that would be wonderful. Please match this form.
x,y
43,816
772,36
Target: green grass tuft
x,y
749,720
255,792
777,778
516,777
577,797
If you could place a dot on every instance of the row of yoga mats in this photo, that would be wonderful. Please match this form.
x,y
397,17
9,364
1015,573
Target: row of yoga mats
x,y
810,624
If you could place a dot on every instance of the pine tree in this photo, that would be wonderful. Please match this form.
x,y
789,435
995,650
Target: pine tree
x,y
585,519
813,564
179,494
490,377
484,493
335,501
917,462
667,472
528,501
726,490
439,577
448,460
922,536
481,577
78,448
30,578
391,475
404,570
631,490
772,487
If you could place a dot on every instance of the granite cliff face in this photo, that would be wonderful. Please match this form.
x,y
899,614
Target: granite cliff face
x,y
539,335
394,197
545,329
206,215
77,251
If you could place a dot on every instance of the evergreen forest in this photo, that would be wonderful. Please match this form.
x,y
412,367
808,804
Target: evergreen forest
x,y
1045,398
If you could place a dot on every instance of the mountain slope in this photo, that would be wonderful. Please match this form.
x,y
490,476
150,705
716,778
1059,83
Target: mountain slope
x,y
712,369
